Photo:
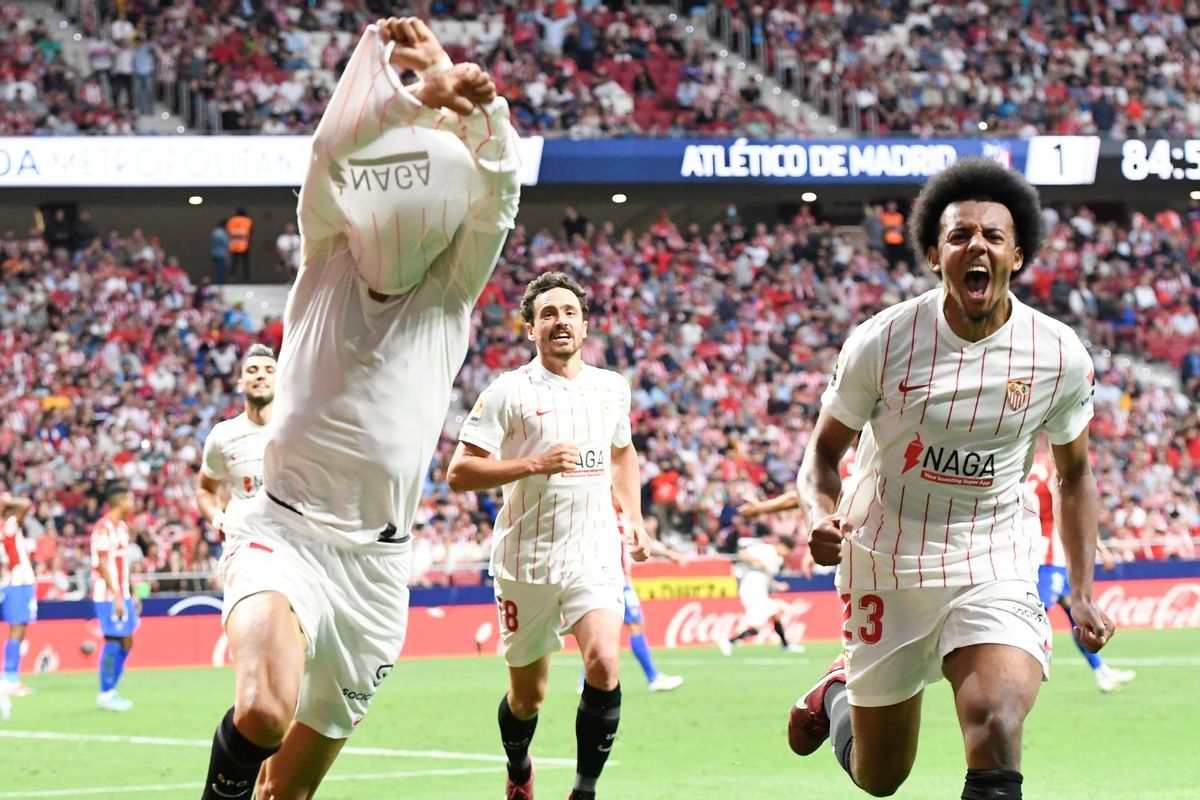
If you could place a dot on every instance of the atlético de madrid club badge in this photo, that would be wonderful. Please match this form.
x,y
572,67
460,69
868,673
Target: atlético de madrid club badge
x,y
1018,393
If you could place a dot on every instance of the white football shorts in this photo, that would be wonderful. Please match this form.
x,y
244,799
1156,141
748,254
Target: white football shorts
x,y
533,617
351,603
754,591
895,640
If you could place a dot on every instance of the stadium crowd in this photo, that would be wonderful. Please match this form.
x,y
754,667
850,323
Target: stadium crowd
x,y
119,365
568,70
928,67
584,69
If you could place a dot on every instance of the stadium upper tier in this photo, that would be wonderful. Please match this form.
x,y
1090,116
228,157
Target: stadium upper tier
x,y
118,365
586,71
1004,66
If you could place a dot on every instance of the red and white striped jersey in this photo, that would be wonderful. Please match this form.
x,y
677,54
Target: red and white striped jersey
x,y
948,433
364,385
550,526
16,553
1041,501
233,452
110,537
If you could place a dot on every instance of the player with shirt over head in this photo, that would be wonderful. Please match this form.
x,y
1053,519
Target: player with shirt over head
x,y
1053,586
233,450
18,603
556,435
117,607
409,197
936,571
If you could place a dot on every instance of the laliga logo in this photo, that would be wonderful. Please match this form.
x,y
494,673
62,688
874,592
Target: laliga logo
x,y
1178,607
222,644
691,625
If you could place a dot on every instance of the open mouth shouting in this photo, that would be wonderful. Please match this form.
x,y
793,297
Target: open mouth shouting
x,y
976,282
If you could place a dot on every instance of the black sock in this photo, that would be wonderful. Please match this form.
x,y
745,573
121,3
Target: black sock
x,y
515,735
595,729
745,634
837,708
233,765
779,630
992,784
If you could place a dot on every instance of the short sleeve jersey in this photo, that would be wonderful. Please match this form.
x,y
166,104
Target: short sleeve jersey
x,y
948,433
551,526
110,537
16,553
233,453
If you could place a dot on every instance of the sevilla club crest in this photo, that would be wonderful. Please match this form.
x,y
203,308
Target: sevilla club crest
x,y
1018,393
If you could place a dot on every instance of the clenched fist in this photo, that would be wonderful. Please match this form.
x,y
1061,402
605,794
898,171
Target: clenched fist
x,y
561,457
825,540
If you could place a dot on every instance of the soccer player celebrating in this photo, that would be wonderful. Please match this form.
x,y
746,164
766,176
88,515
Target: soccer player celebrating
x,y
760,563
18,604
560,429
409,197
117,608
936,571
233,451
1053,586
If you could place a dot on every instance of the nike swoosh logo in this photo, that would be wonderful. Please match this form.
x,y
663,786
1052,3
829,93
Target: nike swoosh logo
x,y
905,388
223,794
604,749
540,413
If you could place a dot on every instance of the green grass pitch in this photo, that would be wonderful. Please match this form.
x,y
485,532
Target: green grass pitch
x,y
432,734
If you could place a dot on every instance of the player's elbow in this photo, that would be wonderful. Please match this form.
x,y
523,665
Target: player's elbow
x,y
458,476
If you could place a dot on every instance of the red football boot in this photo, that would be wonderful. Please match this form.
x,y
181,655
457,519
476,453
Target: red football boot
x,y
808,724
519,791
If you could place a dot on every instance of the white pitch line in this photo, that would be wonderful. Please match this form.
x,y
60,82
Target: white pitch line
x,y
170,787
446,755
801,660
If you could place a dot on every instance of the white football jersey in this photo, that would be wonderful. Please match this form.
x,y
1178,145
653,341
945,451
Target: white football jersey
x,y
764,553
233,454
550,525
363,386
948,433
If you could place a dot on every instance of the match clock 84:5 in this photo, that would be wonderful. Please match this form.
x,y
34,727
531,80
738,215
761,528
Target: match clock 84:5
x,y
1161,158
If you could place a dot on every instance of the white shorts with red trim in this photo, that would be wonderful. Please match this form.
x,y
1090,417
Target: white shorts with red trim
x,y
533,617
351,603
895,640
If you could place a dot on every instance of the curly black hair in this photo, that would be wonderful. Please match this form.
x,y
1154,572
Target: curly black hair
x,y
980,179
544,283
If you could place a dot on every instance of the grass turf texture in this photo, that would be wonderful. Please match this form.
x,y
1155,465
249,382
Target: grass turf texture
x,y
719,736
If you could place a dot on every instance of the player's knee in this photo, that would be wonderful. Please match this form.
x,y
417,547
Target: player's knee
x,y
881,784
524,705
999,730
263,718
601,664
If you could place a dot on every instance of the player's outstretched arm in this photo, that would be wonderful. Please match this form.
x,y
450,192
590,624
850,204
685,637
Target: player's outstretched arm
x,y
819,484
757,508
472,468
14,506
1076,510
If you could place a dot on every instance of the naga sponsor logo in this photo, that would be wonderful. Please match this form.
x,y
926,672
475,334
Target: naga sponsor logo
x,y
1177,607
947,465
693,625
397,171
